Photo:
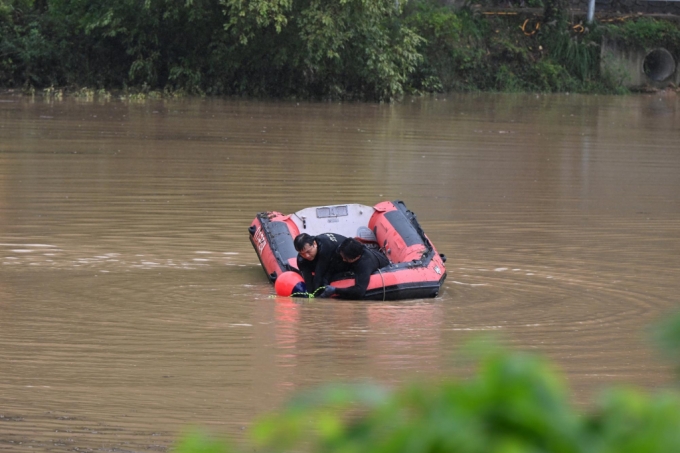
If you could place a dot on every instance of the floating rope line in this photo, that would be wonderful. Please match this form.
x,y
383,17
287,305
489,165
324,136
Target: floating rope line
x,y
312,295
304,295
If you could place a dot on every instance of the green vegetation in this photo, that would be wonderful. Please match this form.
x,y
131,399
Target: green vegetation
x,y
646,32
347,49
513,403
472,52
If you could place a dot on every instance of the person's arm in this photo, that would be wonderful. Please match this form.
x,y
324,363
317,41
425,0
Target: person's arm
x,y
326,255
362,276
322,264
305,269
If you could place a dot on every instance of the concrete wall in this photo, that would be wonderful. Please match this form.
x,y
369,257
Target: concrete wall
x,y
640,68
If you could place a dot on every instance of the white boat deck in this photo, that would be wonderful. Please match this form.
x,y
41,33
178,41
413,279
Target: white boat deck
x,y
349,220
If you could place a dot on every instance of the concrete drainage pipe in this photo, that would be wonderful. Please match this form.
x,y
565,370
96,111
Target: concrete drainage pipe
x,y
659,65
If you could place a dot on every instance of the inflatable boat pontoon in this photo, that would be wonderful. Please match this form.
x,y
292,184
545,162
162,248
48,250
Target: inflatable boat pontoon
x,y
416,269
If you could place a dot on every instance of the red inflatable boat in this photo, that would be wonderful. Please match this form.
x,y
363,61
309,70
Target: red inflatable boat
x,y
415,271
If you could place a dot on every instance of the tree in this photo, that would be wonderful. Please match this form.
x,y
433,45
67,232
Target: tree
x,y
349,48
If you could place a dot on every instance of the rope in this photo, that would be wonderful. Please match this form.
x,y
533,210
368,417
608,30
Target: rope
x,y
383,282
537,26
311,295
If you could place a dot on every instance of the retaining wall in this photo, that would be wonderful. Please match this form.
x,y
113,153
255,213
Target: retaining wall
x,y
653,67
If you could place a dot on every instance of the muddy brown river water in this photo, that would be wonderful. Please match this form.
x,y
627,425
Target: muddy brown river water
x,y
132,304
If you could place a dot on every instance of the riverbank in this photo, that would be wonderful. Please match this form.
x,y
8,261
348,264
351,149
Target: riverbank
x,y
301,51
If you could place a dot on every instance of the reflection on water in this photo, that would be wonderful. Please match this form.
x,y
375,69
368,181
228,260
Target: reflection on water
x,y
133,305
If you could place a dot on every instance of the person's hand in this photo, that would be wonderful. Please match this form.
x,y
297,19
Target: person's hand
x,y
328,292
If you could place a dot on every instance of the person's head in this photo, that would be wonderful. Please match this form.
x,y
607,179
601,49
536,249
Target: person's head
x,y
350,250
306,246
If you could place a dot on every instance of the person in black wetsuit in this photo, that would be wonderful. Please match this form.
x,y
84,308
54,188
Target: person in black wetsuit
x,y
317,259
363,261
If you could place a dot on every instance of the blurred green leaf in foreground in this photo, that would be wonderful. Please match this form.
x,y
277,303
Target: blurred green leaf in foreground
x,y
513,403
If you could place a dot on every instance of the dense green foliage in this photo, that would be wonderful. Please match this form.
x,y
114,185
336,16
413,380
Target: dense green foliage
x,y
309,48
647,32
342,49
513,403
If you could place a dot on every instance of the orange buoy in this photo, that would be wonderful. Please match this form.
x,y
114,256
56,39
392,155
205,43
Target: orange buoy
x,y
288,283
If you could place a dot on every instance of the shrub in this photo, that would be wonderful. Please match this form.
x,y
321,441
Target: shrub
x,y
513,403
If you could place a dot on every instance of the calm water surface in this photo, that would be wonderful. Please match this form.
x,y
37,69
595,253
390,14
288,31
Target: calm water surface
x,y
132,304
